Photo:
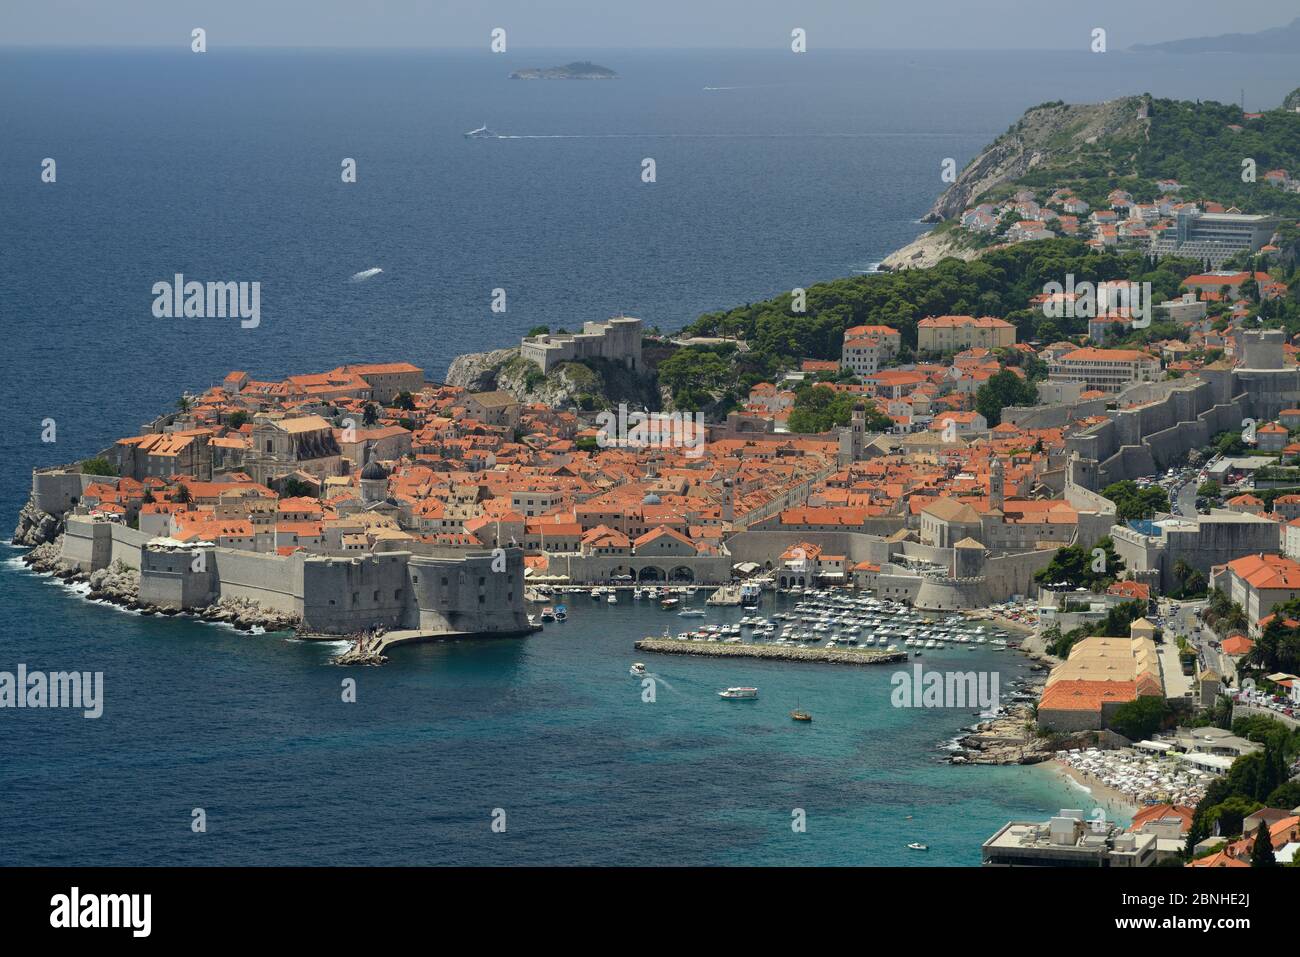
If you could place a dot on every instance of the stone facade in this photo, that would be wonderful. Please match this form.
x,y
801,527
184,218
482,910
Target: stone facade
x,y
615,340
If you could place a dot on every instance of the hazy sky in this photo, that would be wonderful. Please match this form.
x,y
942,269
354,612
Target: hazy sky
x,y
612,24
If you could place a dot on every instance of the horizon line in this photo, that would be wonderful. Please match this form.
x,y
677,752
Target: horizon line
x,y
183,47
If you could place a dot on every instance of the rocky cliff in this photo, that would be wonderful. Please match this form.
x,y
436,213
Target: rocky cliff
x,y
927,249
36,527
587,385
1051,135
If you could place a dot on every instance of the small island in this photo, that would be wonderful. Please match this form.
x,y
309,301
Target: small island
x,y
584,70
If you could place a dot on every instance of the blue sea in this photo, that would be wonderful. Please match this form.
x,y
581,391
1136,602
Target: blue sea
x,y
772,170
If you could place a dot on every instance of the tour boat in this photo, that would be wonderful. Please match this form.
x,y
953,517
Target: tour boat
x,y
739,694
548,613
670,603
637,670
750,594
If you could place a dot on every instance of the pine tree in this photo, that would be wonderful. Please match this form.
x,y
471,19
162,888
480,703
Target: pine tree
x,y
1261,855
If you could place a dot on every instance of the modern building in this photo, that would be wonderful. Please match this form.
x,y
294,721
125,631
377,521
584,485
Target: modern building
x,y
1215,237
1068,840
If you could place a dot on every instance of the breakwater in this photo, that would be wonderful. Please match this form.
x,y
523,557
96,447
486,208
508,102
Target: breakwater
x,y
718,649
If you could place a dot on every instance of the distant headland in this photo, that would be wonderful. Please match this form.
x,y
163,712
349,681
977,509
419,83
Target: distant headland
x,y
578,70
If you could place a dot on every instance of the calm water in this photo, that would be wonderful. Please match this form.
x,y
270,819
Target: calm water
x,y
226,167
552,729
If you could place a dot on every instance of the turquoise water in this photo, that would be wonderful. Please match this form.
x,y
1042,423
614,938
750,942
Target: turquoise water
x,y
551,728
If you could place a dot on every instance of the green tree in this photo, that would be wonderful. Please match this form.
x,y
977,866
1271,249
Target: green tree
x,y
296,488
820,409
694,375
1140,718
1003,389
1261,852
98,466
1133,501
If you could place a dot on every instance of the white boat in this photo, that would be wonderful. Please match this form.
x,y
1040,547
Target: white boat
x,y
482,133
612,599
918,846
561,613
548,613
690,613
739,694
637,669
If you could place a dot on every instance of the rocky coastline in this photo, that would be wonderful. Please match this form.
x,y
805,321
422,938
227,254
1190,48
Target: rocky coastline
x,y
365,649
118,584
36,527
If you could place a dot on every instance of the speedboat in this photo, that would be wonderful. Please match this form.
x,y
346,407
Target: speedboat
x,y
482,133
637,670
690,613
918,846
612,599
548,613
739,694
561,613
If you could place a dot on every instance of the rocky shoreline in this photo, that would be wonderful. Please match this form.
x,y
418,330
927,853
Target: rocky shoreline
x,y
36,527
365,650
119,585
